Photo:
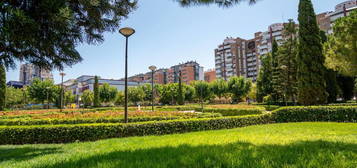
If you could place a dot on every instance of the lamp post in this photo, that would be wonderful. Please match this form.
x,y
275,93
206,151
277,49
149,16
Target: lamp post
x,y
152,68
62,90
126,32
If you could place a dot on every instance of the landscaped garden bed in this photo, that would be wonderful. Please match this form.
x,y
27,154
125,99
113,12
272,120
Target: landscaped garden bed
x,y
88,132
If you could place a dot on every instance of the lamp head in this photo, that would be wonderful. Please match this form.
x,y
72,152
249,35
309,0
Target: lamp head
x,y
127,31
152,68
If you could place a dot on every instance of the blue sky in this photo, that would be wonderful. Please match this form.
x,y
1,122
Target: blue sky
x,y
167,34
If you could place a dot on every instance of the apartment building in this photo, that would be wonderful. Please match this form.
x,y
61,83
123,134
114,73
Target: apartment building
x,y
326,20
226,58
210,75
28,72
189,71
240,57
160,77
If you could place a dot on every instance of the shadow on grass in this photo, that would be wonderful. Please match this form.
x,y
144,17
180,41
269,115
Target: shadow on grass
x,y
240,154
26,153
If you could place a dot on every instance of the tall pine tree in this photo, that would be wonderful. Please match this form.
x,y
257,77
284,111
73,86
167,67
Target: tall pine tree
x,y
287,63
264,81
311,73
276,90
96,101
2,87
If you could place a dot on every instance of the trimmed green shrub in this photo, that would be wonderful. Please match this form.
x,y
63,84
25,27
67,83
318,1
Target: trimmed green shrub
x,y
316,113
233,111
343,104
270,107
97,120
91,132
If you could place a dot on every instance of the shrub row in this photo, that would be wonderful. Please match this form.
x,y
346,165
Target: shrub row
x,y
233,112
316,113
344,104
98,120
91,132
270,107
229,111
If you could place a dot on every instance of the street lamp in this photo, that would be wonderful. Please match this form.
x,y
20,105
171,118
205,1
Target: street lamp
x,y
126,32
152,68
62,90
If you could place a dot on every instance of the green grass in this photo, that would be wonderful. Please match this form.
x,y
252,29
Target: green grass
x,y
278,145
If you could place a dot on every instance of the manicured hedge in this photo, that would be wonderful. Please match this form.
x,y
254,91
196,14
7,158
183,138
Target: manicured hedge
x,y
91,132
96,120
270,107
229,111
316,113
233,111
343,104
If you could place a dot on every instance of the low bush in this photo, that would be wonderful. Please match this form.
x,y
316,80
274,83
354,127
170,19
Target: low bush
x,y
55,121
233,111
91,132
270,107
316,113
344,104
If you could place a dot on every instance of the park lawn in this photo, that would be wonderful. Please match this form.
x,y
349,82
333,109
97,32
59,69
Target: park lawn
x,y
276,145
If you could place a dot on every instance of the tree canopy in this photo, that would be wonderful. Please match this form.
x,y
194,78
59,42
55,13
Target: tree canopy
x,y
46,32
341,48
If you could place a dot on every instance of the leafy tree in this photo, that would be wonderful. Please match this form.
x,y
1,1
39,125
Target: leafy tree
x,y
310,75
14,97
87,98
341,48
239,87
41,90
169,93
253,92
147,89
331,85
189,93
120,98
219,88
203,91
96,100
2,87
107,93
54,28
264,81
330,77
345,83
47,32
136,95
69,97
